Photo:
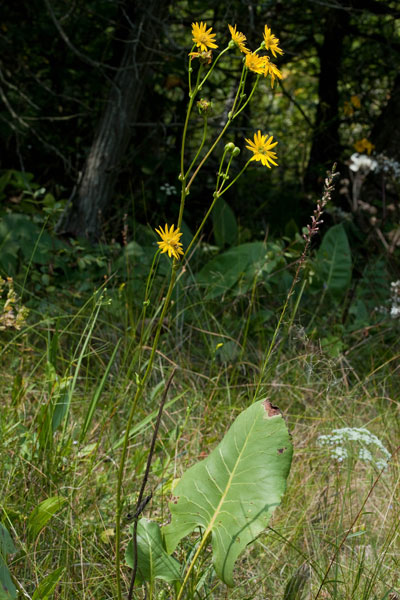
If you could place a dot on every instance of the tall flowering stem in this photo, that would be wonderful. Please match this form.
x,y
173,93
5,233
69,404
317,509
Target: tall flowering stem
x,y
170,243
312,230
138,395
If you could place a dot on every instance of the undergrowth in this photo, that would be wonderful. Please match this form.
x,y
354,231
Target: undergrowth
x,y
317,394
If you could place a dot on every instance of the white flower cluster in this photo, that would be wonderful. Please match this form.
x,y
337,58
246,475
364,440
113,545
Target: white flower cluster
x,y
389,166
339,439
362,163
395,299
170,190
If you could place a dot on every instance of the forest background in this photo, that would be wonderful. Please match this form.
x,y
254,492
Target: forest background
x,y
93,102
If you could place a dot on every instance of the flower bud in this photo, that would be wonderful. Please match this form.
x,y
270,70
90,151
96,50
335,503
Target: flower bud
x,y
204,107
236,151
229,147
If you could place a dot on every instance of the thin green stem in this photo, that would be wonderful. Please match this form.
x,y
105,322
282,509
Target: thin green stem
x,y
278,326
223,190
149,284
193,562
199,229
212,67
185,127
207,155
219,174
219,136
190,69
200,147
248,99
216,196
136,398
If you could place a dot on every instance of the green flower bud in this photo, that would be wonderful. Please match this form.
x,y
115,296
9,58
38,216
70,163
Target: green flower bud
x,y
229,147
236,151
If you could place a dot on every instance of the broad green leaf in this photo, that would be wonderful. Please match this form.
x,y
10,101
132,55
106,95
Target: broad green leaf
x,y
7,588
233,492
153,561
61,401
333,261
6,543
224,224
40,515
224,271
47,586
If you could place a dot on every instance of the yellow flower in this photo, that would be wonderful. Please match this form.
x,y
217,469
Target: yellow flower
x,y
255,63
270,68
356,102
170,241
348,109
364,145
271,42
202,37
261,148
239,39
204,57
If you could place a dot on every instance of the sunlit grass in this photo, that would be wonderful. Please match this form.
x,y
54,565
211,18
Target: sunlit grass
x,y
316,393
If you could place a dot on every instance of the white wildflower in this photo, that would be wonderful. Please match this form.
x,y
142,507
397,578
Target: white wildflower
x,y
363,163
338,442
170,190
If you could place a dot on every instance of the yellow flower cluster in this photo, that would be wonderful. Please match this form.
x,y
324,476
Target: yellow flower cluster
x,y
348,107
364,146
204,39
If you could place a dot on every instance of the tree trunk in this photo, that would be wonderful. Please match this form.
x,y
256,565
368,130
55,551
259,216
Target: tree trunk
x,y
385,131
95,188
325,147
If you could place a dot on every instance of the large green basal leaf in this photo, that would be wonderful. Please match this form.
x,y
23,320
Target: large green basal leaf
x,y
222,272
224,224
153,561
233,492
333,264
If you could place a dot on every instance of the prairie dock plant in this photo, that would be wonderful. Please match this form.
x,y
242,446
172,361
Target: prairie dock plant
x,y
200,68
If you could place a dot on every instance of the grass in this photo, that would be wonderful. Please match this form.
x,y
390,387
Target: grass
x,y
79,371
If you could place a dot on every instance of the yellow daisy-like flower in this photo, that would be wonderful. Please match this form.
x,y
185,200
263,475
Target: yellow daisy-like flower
x,y
262,149
239,39
202,37
271,42
364,145
271,69
170,241
255,63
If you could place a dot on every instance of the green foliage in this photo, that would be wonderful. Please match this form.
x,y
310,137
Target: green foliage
x,y
233,493
236,269
224,224
42,514
7,588
47,586
23,241
153,560
333,263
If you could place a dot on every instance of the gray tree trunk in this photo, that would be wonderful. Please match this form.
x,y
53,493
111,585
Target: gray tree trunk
x,y
93,195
